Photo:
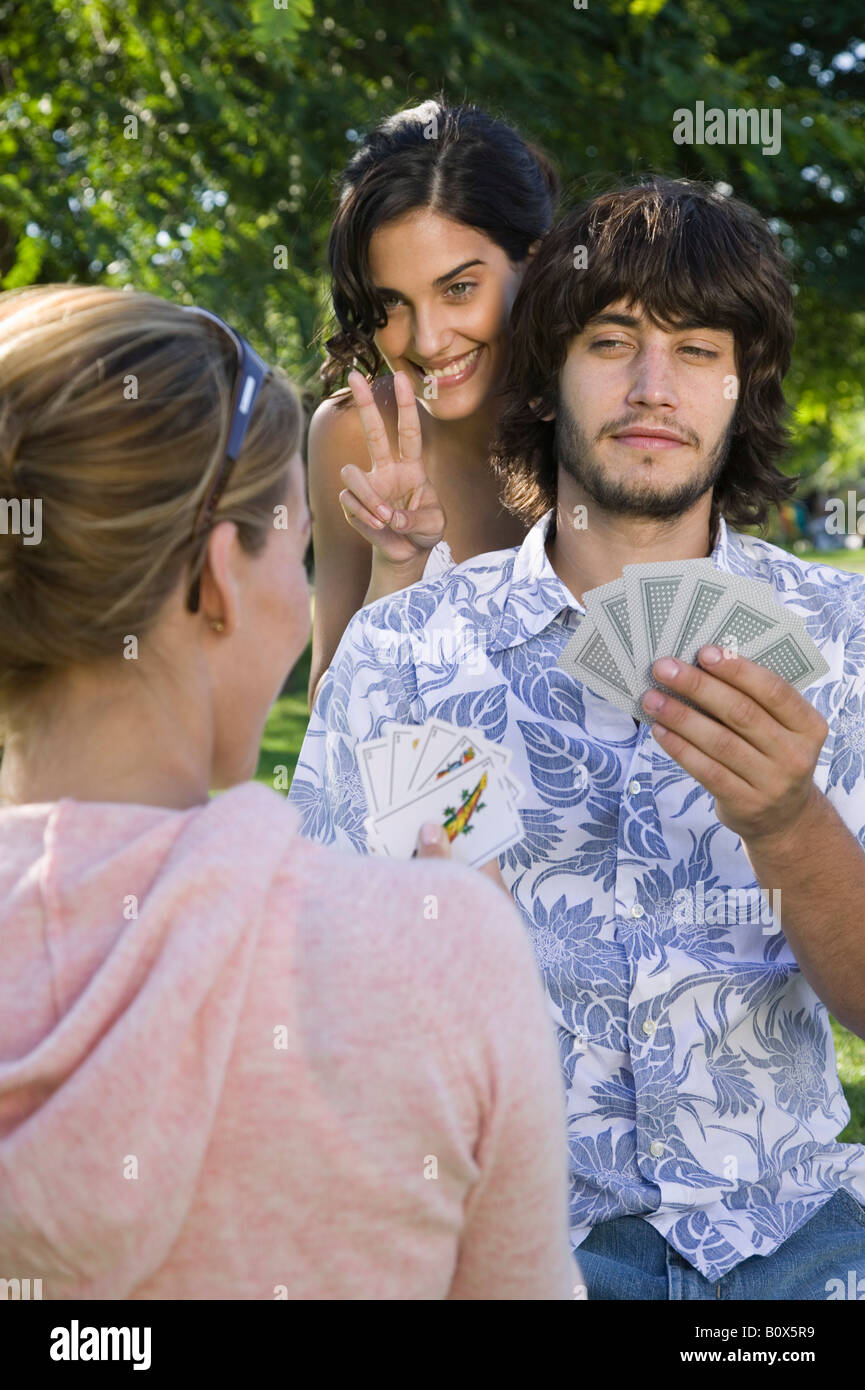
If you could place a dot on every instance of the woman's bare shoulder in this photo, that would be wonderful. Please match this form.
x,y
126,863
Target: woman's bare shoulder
x,y
336,421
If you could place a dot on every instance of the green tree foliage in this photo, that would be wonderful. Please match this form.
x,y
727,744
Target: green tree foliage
x,y
177,147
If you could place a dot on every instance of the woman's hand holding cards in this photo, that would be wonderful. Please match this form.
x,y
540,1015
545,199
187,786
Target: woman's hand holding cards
x,y
433,843
394,506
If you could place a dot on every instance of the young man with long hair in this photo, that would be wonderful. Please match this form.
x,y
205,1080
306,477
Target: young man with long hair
x,y
651,334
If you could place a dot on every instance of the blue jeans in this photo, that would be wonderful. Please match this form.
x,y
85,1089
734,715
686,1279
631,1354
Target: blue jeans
x,y
628,1259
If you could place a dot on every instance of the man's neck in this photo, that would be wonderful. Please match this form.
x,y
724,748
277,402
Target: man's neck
x,y
584,558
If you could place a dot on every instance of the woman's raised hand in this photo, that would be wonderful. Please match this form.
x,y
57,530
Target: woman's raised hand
x,y
394,506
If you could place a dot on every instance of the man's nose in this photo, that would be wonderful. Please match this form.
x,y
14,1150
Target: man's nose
x,y
654,381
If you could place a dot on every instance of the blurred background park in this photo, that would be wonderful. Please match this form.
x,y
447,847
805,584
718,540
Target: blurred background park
x,y
191,150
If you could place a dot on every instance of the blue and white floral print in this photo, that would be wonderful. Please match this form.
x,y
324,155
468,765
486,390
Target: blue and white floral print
x,y
699,1068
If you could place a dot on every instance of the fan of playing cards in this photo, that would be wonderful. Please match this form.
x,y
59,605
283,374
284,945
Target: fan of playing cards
x,y
439,772
671,608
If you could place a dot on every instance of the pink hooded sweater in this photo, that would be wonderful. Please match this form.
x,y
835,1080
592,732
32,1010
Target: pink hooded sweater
x,y
235,1064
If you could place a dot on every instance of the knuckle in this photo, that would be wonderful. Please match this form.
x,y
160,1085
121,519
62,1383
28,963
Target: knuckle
x,y
742,710
801,764
725,742
778,691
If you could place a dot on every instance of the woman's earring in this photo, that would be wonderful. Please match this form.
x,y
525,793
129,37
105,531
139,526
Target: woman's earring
x,y
218,626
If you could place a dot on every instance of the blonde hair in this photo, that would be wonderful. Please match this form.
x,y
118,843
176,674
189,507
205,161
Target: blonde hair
x,y
114,409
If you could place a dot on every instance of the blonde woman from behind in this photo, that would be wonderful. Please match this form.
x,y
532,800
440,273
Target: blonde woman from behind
x,y
234,1064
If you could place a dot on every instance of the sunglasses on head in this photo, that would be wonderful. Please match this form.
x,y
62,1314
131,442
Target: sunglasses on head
x,y
249,379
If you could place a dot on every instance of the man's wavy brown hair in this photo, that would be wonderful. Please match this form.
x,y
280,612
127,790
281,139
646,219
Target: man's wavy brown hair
x,y
688,255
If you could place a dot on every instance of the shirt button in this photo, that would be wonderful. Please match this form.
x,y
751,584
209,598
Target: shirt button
x,y
637,910
649,1027
633,788
656,1148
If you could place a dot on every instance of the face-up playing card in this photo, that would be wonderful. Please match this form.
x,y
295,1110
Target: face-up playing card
x,y
373,764
439,738
406,741
474,807
466,745
440,759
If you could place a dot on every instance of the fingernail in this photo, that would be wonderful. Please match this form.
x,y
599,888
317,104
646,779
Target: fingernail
x,y
398,520
429,833
666,667
384,512
710,654
653,699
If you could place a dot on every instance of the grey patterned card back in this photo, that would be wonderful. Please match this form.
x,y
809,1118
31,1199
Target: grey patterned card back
x,y
740,624
616,610
657,596
793,657
683,627
588,659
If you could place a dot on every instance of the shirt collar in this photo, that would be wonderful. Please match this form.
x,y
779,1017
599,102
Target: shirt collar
x,y
536,595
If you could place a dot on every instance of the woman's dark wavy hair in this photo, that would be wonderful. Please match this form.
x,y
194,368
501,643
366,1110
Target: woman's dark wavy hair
x,y
458,161
687,255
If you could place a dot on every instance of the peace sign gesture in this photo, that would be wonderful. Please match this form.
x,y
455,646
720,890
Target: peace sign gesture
x,y
394,506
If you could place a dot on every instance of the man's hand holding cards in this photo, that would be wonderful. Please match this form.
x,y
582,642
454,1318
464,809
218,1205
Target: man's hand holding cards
x,y
441,773
672,608
737,722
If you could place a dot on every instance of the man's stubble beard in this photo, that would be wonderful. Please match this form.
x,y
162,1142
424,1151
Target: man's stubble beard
x,y
574,455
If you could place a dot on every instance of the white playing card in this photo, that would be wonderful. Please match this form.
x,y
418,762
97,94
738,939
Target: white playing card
x,y
406,741
502,757
474,808
388,763
465,747
439,739
372,840
373,764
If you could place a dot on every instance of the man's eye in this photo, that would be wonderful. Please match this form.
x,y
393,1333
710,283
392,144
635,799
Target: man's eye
x,y
699,352
610,342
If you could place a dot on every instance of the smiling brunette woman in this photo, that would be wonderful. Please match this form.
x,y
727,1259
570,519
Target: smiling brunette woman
x,y
439,211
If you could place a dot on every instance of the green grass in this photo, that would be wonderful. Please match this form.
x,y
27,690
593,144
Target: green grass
x,y
283,737
850,1051
841,559
285,729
